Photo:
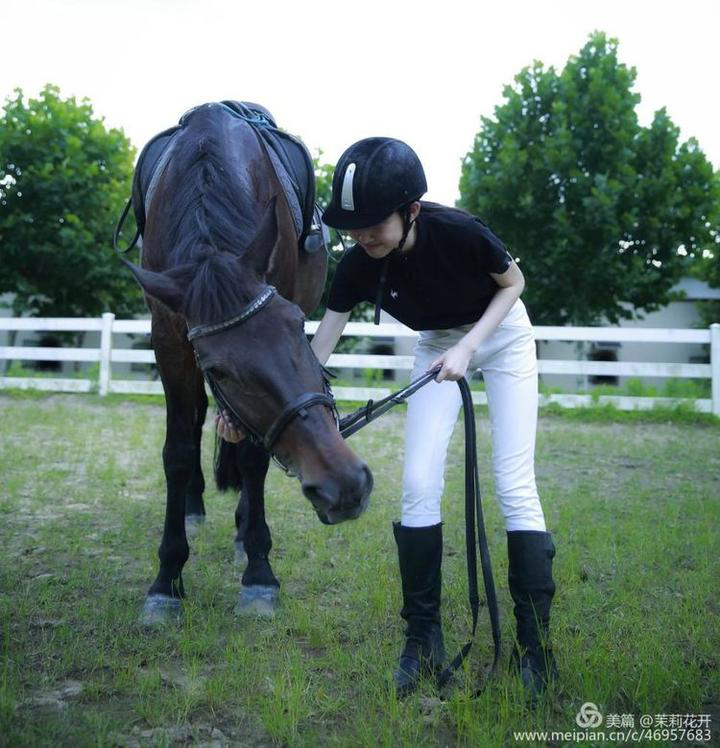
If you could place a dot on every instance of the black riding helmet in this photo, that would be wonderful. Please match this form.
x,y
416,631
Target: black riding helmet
x,y
373,178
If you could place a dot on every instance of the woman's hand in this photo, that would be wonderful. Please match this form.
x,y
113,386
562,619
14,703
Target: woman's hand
x,y
226,430
454,361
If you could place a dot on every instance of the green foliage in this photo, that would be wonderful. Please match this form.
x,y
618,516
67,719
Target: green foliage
x,y
595,206
17,369
323,180
323,190
707,268
64,178
680,413
709,311
672,387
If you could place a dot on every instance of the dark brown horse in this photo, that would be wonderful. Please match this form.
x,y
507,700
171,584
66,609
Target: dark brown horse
x,y
219,239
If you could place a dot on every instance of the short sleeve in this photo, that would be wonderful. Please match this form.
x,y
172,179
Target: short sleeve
x,y
345,291
493,254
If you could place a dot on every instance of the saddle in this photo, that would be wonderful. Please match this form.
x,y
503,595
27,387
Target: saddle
x,y
290,159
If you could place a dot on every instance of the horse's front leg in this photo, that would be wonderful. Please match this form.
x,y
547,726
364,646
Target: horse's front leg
x,y
260,587
194,504
241,525
163,601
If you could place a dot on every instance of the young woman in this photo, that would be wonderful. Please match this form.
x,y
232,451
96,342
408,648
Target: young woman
x,y
443,272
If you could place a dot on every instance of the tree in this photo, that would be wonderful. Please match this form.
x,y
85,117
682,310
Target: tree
x,y
603,214
64,178
707,268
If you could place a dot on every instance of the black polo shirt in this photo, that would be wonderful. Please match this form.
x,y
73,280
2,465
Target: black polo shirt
x,y
442,282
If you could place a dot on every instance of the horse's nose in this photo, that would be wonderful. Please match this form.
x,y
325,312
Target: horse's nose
x,y
335,502
323,518
321,500
367,483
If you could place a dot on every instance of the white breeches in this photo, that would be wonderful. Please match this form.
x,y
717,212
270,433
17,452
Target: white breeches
x,y
509,366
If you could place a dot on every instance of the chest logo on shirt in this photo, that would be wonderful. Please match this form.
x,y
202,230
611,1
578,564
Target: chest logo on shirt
x,y
393,293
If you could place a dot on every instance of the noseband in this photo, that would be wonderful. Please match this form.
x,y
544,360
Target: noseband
x,y
299,407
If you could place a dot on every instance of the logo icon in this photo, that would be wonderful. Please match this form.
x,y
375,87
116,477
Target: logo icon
x,y
346,196
589,715
393,293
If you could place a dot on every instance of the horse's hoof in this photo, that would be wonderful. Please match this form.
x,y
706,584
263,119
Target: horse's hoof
x,y
258,600
160,609
193,524
240,555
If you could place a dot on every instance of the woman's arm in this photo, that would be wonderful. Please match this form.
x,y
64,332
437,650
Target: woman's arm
x,y
328,334
512,283
456,360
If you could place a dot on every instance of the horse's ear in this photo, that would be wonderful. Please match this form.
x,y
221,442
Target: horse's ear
x,y
257,255
161,286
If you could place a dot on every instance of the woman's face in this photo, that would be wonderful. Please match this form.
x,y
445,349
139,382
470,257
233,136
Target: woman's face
x,y
379,240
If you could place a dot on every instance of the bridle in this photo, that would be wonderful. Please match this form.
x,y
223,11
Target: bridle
x,y
298,407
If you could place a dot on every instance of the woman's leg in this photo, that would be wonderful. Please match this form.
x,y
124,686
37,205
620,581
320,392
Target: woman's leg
x,y
512,389
511,383
431,415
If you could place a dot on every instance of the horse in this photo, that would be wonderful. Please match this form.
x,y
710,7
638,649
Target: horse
x,y
228,287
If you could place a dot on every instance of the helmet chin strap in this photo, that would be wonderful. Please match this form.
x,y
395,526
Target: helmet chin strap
x,y
407,225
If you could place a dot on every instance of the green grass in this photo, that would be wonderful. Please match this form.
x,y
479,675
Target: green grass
x,y
672,387
634,511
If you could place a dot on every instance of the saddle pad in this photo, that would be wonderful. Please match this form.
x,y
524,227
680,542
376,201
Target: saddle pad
x,y
145,171
290,160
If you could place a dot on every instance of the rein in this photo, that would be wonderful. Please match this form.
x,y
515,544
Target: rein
x,y
474,521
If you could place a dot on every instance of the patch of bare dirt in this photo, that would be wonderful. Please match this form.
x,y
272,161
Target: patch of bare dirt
x,y
199,735
55,700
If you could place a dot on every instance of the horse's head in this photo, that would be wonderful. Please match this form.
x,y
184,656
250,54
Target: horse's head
x,y
251,346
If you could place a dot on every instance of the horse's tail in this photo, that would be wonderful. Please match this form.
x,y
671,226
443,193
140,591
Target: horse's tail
x,y
227,465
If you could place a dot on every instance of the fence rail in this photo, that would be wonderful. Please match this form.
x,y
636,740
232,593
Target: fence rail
x,y
106,355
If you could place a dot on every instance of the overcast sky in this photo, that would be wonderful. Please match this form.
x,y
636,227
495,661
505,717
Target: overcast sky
x,y
335,72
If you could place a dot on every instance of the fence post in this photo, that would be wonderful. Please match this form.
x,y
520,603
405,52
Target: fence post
x,y
715,364
105,350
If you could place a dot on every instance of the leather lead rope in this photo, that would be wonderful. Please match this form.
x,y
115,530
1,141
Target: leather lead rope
x,y
474,518
474,521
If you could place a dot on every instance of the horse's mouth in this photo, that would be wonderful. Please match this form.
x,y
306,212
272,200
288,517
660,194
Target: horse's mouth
x,y
323,518
336,516
334,504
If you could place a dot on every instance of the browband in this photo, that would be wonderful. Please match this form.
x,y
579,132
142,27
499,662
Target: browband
x,y
252,308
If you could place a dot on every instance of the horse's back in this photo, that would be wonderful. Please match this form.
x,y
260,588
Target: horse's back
x,y
219,160
233,144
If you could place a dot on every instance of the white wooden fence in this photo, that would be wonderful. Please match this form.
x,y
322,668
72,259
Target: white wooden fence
x,y
106,355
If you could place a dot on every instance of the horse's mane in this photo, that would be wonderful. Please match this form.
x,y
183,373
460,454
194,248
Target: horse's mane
x,y
212,223
216,287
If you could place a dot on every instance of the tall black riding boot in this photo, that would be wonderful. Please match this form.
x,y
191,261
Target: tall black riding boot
x,y
420,555
530,555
